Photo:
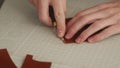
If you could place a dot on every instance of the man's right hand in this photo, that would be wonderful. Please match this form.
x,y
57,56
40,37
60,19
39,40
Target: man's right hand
x,y
59,7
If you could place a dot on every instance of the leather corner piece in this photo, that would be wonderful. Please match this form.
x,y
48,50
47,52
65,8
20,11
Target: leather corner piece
x,y
5,60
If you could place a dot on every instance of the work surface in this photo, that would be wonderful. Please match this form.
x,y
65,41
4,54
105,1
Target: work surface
x,y
22,33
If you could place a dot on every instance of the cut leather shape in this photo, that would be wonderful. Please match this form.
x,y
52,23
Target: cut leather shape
x,y
5,60
30,63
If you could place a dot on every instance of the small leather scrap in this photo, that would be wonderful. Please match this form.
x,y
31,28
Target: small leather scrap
x,y
5,60
30,63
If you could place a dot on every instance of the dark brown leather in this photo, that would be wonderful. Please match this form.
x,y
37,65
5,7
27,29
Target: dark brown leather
x,y
5,60
30,63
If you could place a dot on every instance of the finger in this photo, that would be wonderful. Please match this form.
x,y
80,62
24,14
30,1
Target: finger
x,y
115,29
81,22
44,12
97,8
90,11
95,27
60,17
72,21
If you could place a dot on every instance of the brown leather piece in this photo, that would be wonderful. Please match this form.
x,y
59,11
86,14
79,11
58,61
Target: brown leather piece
x,y
5,60
30,63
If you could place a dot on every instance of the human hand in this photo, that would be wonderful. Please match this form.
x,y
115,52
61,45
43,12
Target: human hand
x,y
59,7
104,16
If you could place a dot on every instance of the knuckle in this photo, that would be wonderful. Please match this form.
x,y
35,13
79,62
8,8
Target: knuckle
x,y
58,14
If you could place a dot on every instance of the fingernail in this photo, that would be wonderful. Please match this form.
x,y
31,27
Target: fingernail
x,y
68,36
60,33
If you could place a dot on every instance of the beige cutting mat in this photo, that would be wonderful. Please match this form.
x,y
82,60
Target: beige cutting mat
x,y
22,33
